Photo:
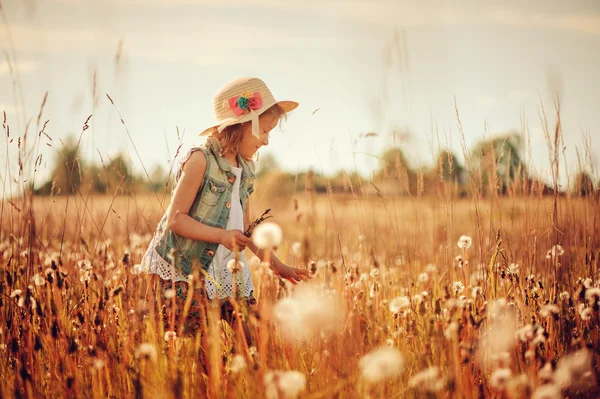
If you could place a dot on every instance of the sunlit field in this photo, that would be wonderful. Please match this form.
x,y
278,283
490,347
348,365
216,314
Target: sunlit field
x,y
431,297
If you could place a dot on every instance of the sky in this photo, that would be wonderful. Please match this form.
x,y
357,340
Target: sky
x,y
396,68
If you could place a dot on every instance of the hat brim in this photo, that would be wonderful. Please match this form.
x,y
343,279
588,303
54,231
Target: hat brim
x,y
287,106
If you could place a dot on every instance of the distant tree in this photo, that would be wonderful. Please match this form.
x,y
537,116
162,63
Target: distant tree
x,y
66,176
394,164
500,158
449,168
267,163
119,175
158,179
583,184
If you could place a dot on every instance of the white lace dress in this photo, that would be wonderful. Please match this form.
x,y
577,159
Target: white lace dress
x,y
220,280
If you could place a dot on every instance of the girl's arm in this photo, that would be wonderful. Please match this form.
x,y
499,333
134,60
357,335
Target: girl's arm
x,y
293,274
183,224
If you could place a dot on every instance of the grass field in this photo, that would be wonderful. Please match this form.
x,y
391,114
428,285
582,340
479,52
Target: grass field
x,y
399,304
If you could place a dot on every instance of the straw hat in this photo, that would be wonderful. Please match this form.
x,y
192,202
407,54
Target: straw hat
x,y
243,100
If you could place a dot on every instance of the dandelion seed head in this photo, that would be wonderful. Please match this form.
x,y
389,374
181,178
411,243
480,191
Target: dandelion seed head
x,y
170,293
234,266
423,278
428,380
267,235
297,249
148,351
430,268
458,287
586,314
592,295
549,310
499,378
238,363
464,242
399,304
476,291
309,311
381,364
547,391
170,336
289,383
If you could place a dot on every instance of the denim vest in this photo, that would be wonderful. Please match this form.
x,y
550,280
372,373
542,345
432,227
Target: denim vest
x,y
210,207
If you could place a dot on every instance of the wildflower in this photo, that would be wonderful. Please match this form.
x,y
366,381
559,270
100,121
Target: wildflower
x,y
398,304
267,235
430,268
464,242
374,272
288,383
389,343
549,310
381,364
499,378
587,283
170,336
16,293
428,380
297,249
547,391
148,351
458,287
234,266
238,363
423,278
564,295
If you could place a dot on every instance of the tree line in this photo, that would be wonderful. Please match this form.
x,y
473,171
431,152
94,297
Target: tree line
x,y
495,165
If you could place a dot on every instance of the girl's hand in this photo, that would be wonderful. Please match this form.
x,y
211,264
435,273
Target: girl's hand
x,y
234,239
292,274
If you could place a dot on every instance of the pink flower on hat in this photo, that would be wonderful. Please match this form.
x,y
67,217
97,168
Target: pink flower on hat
x,y
245,102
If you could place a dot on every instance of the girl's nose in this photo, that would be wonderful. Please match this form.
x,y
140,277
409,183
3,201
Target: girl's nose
x,y
265,139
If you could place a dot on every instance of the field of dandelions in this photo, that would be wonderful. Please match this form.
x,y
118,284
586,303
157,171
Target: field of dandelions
x,y
410,298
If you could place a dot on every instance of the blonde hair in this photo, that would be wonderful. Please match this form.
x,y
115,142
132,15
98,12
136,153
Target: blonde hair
x,y
231,137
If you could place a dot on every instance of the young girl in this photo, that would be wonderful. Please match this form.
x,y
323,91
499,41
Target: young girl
x,y
209,211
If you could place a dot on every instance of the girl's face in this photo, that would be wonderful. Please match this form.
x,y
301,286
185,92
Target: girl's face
x,y
250,143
